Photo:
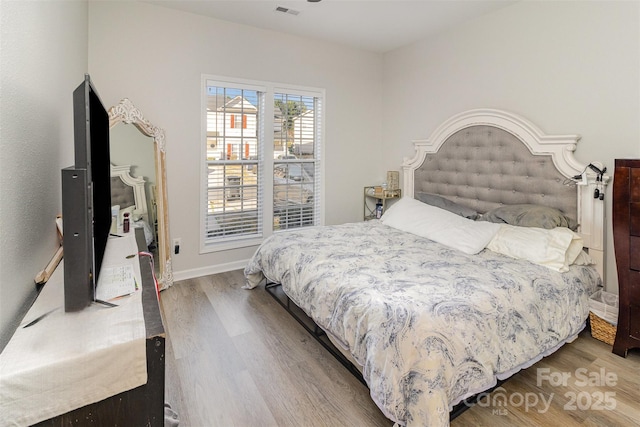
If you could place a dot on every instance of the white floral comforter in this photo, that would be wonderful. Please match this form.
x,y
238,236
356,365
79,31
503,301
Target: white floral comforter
x,y
429,325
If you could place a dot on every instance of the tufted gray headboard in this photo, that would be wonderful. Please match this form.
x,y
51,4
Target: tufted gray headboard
x,y
485,158
484,167
121,193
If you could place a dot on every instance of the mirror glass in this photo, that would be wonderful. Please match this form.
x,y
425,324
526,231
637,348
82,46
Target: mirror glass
x,y
139,183
132,152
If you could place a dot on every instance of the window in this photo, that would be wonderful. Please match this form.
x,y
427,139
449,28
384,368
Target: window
x,y
238,120
248,157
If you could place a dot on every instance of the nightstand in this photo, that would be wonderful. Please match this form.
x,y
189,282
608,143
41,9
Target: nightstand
x,y
374,195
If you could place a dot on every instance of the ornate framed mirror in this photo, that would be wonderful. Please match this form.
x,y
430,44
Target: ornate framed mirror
x,y
140,150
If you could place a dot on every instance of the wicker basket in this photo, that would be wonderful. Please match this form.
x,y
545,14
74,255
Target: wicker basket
x,y
601,329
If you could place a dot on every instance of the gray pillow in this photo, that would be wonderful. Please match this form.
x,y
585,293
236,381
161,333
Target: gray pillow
x,y
446,204
530,216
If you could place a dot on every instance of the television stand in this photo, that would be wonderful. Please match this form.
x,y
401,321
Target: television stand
x,y
141,405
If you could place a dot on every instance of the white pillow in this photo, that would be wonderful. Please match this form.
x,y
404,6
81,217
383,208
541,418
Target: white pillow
x,y
583,258
439,225
555,248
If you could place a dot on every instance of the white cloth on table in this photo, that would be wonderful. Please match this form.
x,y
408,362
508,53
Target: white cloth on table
x,y
69,360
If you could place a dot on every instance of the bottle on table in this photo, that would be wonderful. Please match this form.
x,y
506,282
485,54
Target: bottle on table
x,y
125,223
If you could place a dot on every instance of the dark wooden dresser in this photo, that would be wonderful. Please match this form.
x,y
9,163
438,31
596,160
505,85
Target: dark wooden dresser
x,y
626,239
142,406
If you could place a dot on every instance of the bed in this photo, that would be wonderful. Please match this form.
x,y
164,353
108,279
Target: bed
x,y
128,195
435,305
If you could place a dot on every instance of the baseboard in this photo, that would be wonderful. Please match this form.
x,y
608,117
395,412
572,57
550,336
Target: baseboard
x,y
205,271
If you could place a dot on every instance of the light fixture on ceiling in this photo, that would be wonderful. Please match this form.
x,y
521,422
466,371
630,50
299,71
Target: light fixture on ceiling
x,y
314,1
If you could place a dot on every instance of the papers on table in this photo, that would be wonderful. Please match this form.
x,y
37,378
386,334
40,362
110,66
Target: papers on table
x,y
115,282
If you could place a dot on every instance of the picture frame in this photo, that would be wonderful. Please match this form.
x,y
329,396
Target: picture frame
x,y
393,180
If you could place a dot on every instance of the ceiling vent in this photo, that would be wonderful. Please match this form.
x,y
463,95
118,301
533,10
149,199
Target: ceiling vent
x,y
283,9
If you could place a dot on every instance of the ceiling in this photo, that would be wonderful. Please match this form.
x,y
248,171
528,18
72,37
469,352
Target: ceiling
x,y
372,25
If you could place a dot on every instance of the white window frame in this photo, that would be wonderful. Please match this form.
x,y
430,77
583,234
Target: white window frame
x,y
265,157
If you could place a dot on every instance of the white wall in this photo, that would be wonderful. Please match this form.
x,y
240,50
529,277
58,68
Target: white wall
x,y
155,57
44,57
569,67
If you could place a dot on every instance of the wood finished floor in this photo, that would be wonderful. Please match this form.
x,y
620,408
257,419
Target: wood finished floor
x,y
234,357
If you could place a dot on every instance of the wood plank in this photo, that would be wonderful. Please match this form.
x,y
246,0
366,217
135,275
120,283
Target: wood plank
x,y
173,387
219,291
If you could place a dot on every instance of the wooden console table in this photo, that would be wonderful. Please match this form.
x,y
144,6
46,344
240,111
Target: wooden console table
x,y
142,405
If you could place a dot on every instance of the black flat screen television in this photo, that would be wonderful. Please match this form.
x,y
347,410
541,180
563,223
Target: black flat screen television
x,y
86,198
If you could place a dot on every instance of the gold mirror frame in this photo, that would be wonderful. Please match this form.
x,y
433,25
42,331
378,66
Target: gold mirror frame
x,y
126,112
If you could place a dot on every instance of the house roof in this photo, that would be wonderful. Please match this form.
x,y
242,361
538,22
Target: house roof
x,y
214,102
239,104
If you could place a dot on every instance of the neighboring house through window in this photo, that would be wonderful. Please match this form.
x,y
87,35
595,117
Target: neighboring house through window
x,y
261,140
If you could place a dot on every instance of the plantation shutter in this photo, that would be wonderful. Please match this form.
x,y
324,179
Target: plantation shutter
x,y
296,172
233,192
